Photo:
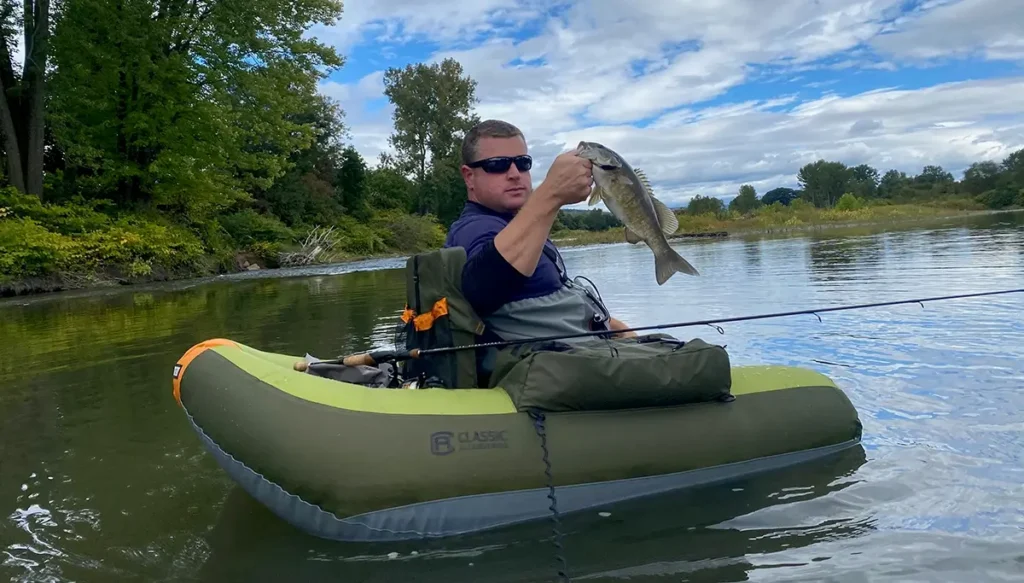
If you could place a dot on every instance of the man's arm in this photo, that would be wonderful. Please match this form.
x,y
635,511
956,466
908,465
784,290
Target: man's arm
x,y
568,181
521,242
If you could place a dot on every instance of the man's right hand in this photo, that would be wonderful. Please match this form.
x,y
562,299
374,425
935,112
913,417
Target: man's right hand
x,y
569,179
521,242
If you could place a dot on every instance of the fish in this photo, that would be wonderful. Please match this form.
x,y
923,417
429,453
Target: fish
x,y
627,193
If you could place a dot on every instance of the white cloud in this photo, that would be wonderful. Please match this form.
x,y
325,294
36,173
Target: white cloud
x,y
714,151
368,126
601,66
993,29
446,20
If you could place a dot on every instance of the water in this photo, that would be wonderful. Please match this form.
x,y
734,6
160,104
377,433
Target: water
x,y
102,480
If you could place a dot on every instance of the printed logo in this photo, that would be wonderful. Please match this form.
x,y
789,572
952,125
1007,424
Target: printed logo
x,y
441,443
177,370
446,442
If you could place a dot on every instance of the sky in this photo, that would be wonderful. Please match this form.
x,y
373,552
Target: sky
x,y
707,95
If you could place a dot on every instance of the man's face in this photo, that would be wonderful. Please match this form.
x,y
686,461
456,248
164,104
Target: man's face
x,y
502,191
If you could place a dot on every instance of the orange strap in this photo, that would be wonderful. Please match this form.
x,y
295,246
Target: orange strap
x,y
425,321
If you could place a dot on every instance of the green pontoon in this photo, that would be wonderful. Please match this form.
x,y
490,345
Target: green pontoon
x,y
353,462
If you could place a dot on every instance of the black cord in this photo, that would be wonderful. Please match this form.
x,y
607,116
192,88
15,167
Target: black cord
x,y
538,425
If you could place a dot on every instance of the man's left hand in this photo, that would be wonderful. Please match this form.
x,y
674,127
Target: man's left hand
x,y
616,324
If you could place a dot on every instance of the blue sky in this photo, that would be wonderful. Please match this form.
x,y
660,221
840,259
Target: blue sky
x,y
706,95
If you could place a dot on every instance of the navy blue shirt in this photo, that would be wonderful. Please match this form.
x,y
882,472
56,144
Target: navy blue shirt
x,y
488,279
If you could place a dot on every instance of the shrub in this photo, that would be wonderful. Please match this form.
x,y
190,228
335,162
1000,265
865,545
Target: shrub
x,y
76,216
133,246
247,227
848,202
409,233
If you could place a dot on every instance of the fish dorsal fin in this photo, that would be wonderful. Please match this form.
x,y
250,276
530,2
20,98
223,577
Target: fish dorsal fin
x,y
666,218
643,180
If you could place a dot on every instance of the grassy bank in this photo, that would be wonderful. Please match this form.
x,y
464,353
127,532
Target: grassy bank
x,y
779,218
80,244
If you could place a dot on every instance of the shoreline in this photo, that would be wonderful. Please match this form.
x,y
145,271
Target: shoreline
x,y
112,279
612,236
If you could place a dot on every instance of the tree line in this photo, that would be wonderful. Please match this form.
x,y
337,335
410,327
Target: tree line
x,y
830,184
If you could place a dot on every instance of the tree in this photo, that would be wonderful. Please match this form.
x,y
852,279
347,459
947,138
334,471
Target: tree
x,y
352,183
589,220
864,181
824,182
188,106
780,195
1013,165
433,110
23,96
981,177
310,188
388,188
746,201
893,181
700,205
932,175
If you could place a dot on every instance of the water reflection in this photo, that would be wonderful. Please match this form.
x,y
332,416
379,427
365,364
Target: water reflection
x,y
849,258
752,253
680,533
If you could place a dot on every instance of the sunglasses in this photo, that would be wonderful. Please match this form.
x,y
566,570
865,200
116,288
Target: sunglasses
x,y
501,164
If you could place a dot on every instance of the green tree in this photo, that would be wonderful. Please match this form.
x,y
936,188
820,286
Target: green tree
x,y
933,175
309,190
864,181
780,195
1013,166
700,205
186,106
443,193
892,183
824,182
23,95
981,176
352,183
433,110
388,188
746,201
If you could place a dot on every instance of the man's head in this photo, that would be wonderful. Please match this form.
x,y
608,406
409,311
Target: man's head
x,y
495,166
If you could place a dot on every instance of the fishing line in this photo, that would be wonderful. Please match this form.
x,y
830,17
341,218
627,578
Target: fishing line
x,y
374,357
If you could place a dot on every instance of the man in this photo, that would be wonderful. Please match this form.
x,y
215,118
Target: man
x,y
514,277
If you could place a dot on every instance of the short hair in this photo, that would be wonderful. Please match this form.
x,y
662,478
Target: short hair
x,y
490,128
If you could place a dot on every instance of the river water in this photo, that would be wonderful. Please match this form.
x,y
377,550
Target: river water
x,y
102,480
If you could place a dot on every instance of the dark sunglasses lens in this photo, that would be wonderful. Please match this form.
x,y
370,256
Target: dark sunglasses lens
x,y
501,165
496,165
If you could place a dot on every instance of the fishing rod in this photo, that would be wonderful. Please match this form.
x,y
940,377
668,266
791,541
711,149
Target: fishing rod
x,y
377,356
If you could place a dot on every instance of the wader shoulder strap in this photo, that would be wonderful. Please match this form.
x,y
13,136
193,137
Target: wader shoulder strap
x,y
601,314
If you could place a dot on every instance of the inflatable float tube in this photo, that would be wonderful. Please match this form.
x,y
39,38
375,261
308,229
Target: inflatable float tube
x,y
346,462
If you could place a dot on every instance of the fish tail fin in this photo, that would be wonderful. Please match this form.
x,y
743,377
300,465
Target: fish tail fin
x,y
668,262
